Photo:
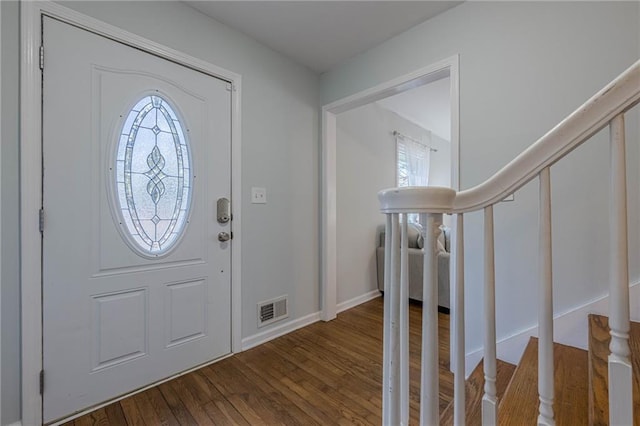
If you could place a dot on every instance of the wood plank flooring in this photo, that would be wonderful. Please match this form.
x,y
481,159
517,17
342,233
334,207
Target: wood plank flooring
x,y
323,374
474,390
520,403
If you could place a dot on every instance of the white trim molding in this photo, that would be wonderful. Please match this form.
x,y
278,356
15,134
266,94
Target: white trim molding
x,y
570,328
1,144
290,326
279,330
446,68
31,185
359,300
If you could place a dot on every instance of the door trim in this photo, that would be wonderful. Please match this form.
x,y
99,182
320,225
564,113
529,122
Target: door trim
x,y
328,268
0,221
31,179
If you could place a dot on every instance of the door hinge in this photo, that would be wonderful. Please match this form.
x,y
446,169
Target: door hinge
x,y
42,57
41,220
41,382
230,87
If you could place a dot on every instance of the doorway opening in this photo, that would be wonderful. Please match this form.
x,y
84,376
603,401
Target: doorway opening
x,y
383,116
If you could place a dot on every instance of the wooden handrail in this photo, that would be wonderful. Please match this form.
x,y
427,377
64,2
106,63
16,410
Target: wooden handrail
x,y
607,107
615,98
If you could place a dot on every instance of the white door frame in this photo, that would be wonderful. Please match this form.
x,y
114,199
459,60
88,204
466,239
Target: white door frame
x,y
0,220
31,180
400,84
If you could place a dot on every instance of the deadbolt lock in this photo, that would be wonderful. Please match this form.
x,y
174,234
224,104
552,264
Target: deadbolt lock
x,y
223,210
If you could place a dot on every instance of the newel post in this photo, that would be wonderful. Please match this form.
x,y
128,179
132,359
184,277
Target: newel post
x,y
430,203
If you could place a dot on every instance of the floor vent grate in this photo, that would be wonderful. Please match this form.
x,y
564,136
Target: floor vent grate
x,y
272,310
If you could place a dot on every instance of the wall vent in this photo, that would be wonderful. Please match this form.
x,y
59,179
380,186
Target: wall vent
x,y
272,310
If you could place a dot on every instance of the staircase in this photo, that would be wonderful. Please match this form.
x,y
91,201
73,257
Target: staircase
x,y
580,383
570,385
553,383
474,389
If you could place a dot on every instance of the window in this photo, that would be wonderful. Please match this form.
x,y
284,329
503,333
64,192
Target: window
x,y
412,164
153,176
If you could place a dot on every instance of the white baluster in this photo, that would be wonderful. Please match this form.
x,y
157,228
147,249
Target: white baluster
x,y
545,309
429,397
391,350
386,338
459,379
489,399
404,324
620,371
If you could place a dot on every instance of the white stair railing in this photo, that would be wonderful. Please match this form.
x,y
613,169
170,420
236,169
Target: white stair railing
x,y
459,334
490,363
545,304
607,107
429,389
620,373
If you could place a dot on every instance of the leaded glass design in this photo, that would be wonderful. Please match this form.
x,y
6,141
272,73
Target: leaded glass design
x,y
153,176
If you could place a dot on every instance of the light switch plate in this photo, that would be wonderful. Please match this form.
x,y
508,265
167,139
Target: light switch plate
x,y
258,195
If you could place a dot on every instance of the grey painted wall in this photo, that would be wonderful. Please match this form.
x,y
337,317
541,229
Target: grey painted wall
x,y
524,66
366,154
440,168
279,151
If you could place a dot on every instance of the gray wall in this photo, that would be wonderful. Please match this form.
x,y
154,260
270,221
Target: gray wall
x,y
523,68
366,154
279,151
9,192
440,167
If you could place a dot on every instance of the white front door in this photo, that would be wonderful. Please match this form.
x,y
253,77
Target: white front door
x,y
136,284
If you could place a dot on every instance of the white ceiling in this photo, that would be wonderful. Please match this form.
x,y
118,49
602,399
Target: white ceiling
x,y
428,106
321,34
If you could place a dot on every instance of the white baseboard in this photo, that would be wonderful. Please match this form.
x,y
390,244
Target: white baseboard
x,y
348,304
569,328
279,330
289,326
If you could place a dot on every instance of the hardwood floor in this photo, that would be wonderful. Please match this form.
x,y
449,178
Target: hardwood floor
x,y
474,390
323,374
571,405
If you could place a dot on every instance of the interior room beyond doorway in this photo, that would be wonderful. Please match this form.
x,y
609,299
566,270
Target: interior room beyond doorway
x,y
377,145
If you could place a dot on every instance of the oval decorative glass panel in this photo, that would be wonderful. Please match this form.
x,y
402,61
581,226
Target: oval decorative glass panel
x,y
153,176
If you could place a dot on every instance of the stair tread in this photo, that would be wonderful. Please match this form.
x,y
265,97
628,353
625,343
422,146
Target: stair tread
x,y
599,339
474,388
520,403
